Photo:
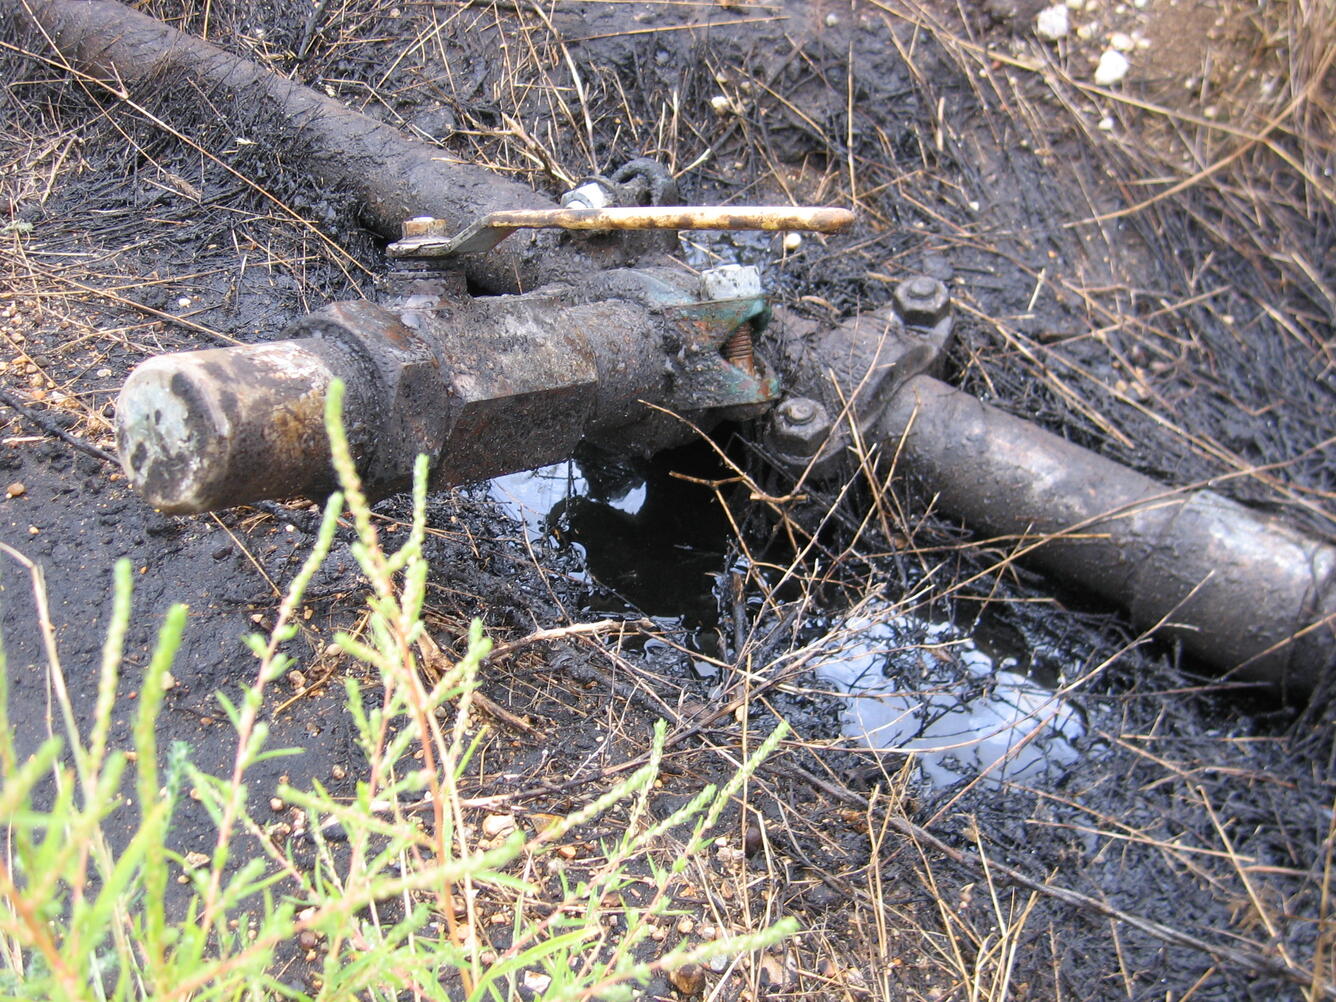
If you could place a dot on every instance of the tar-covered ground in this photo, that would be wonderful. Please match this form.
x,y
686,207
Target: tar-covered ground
x,y
1142,265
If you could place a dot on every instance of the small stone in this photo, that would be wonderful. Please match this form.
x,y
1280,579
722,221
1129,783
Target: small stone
x,y
15,490
337,771
689,979
308,939
276,804
183,302
685,925
1053,23
752,839
1106,124
832,20
168,681
1113,66
194,860
537,982
721,105
496,825
1121,41
792,241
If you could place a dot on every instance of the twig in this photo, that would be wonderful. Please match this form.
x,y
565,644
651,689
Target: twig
x,y
565,632
53,427
308,29
433,657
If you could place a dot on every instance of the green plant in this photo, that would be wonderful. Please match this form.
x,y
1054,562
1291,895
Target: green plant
x,y
79,921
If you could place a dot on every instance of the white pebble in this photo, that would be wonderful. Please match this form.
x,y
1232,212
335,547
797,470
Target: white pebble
x,y
832,20
792,241
498,824
1052,23
1106,124
537,982
1112,67
183,302
1121,41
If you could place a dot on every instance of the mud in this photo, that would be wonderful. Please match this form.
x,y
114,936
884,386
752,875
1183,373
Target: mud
x,y
141,243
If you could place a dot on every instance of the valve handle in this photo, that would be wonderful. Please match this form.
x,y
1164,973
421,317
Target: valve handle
x,y
427,237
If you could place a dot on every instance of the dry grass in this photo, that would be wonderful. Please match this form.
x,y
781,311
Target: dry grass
x,y
1192,852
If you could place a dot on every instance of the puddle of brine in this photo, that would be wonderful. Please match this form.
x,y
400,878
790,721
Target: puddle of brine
x,y
927,689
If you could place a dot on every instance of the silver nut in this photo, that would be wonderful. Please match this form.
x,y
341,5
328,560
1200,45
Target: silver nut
x,y
799,428
590,195
921,301
730,281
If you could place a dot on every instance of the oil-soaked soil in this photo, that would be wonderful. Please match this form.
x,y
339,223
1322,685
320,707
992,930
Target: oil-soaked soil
x,y
135,242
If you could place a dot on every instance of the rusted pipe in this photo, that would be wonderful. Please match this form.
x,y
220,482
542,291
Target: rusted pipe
x,y
483,386
1241,591
393,177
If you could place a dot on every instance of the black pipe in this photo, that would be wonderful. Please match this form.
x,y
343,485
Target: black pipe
x,y
1241,591
394,178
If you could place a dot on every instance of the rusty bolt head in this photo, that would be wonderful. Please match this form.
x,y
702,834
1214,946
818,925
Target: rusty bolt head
x,y
921,301
799,411
800,427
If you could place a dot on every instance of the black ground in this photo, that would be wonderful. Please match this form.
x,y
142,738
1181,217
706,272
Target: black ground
x,y
1168,339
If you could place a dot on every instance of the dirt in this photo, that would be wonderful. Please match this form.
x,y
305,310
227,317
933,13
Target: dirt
x,y
961,164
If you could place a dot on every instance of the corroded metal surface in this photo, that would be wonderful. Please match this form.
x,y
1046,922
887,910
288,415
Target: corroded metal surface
x,y
423,239
484,386
1241,591
853,369
207,429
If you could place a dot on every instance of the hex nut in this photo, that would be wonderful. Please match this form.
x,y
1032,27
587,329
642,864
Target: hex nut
x,y
799,428
921,301
590,195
